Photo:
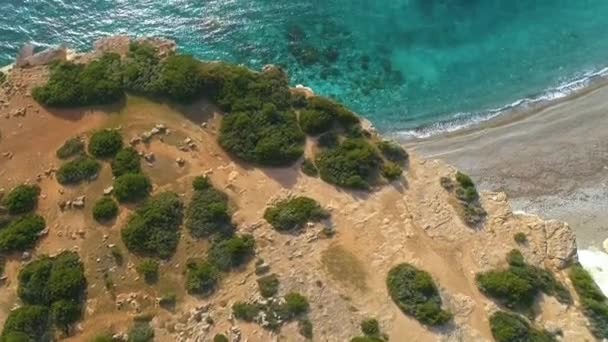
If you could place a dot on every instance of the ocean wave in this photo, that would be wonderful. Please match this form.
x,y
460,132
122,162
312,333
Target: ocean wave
x,y
463,120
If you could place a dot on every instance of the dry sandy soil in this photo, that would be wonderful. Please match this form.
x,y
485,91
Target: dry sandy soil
x,y
410,220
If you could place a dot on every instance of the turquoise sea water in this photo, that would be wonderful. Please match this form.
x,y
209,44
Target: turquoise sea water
x,y
404,64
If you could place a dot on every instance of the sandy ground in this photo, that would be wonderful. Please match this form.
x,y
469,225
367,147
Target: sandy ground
x,y
553,162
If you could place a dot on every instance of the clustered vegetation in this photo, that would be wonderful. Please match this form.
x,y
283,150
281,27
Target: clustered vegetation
x,y
105,143
293,213
126,161
153,229
593,301
416,294
148,268
21,234
371,332
465,191
520,238
518,286
78,170
201,277
268,285
72,147
105,209
228,253
322,115
274,312
22,199
132,187
207,213
510,327
53,291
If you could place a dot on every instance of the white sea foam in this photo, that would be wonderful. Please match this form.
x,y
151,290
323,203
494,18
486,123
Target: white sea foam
x,y
596,263
463,120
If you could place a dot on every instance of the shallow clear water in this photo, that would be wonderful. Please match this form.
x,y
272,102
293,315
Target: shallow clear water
x,y
402,63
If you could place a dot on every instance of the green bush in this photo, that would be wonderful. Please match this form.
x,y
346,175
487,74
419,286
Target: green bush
x,y
220,338
64,313
77,170
201,183
201,277
518,286
48,280
296,304
236,88
21,234
416,294
391,171
464,180
245,311
141,69
126,161
153,229
351,164
315,122
305,328
465,191
268,285
208,213
148,268
593,301
268,136
370,327
309,168
141,332
72,147
520,238
72,85
29,320
294,213
117,254
228,253
168,301
132,187
22,199
181,78
339,114
366,339
393,151
105,144
102,337
508,327
105,209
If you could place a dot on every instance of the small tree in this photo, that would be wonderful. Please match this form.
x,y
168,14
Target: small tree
x,y
105,209
105,144
72,147
77,170
132,187
126,161
201,277
64,313
22,199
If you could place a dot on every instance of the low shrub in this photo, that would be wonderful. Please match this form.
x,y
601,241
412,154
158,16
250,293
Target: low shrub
x,y
72,147
416,294
141,332
105,209
296,304
508,327
339,114
117,254
201,277
105,143
520,238
148,268
305,328
268,285
72,85
220,338
465,191
354,163
201,183
518,286
366,339
593,301
370,327
27,323
245,311
141,69
268,136
181,78
309,168
21,234
228,253
22,199
77,170
153,229
168,301
102,337
208,213
393,151
64,313
126,161
132,187
391,171
294,213
314,122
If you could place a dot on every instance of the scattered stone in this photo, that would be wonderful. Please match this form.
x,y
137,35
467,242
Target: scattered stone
x,y
135,140
180,162
149,157
78,202
26,256
108,191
